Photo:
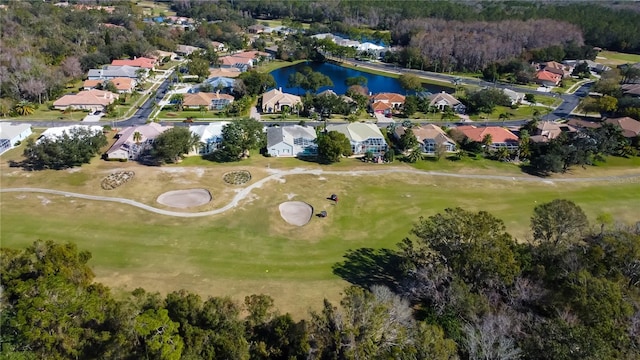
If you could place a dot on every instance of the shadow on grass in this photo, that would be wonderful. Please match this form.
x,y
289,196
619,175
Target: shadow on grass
x,y
367,266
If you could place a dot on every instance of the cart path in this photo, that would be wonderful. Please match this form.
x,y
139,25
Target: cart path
x,y
278,174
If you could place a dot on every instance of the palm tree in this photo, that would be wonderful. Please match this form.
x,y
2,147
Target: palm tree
x,y
137,137
24,108
487,140
414,154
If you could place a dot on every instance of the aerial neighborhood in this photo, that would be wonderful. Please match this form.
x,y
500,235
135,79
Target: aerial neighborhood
x,y
320,180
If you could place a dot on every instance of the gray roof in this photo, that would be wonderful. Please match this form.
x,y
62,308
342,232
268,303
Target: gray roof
x,y
276,135
112,71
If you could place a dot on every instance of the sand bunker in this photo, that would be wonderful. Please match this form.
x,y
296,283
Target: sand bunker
x,y
296,212
185,198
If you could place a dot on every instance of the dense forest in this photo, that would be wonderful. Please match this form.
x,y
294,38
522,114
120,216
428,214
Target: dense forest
x,y
610,25
458,287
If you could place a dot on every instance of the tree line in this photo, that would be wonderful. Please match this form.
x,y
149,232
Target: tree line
x,y
458,287
608,25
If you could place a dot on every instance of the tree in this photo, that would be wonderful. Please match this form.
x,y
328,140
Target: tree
x,y
475,246
178,100
74,148
331,146
256,83
558,222
159,335
310,80
199,67
410,105
410,82
24,108
414,153
408,140
356,80
173,144
108,85
50,287
239,137
137,137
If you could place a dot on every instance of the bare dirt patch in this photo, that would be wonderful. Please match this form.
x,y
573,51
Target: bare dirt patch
x,y
296,213
184,199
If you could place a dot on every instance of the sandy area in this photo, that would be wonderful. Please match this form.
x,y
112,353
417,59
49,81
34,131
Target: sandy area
x,y
296,212
185,198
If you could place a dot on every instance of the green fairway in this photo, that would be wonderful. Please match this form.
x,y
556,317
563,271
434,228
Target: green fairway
x,y
250,249
616,58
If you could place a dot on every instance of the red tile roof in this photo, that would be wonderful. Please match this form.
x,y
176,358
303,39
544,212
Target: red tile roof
x,y
498,134
544,75
388,97
142,62
630,127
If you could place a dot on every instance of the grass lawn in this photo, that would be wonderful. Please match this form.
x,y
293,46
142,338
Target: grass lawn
x,y
616,58
152,8
269,66
522,112
250,249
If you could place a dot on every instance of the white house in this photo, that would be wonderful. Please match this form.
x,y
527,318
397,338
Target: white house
x,y
514,96
292,140
10,135
364,137
210,137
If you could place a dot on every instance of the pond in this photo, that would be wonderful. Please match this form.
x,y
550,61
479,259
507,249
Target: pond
x,y
375,83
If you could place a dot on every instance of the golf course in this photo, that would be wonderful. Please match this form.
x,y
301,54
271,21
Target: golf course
x,y
242,245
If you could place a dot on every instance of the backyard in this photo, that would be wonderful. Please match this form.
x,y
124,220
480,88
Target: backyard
x,y
249,248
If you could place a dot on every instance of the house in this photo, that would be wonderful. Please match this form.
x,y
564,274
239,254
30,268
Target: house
x,y
630,127
548,130
141,62
548,79
254,55
631,90
56,132
11,135
429,137
220,83
275,100
239,62
165,54
442,101
583,124
292,140
514,96
211,101
124,85
86,100
111,72
385,103
364,137
224,72
186,50
133,141
596,67
218,46
210,137
564,70
256,29
500,137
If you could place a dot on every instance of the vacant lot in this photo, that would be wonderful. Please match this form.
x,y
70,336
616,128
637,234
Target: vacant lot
x,y
250,249
616,58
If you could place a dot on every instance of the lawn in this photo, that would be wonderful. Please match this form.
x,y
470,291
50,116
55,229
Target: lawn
x,y
249,249
616,58
369,70
522,112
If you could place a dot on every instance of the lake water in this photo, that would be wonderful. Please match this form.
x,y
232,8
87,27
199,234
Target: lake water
x,y
375,83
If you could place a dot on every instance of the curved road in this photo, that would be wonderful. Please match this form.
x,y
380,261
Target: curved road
x,y
278,174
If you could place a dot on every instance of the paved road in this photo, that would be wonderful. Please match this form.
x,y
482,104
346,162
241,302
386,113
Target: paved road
x,y
278,174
